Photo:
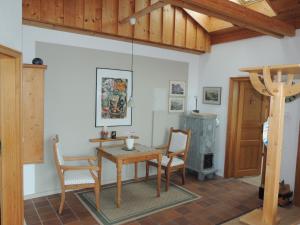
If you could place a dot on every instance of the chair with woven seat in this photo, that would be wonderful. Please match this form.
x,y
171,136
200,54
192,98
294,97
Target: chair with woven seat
x,y
75,177
176,155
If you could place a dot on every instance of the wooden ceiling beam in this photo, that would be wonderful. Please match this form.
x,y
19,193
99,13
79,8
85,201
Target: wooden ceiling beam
x,y
237,15
280,6
234,35
144,11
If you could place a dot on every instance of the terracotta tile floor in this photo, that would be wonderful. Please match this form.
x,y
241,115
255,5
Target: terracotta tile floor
x,y
222,199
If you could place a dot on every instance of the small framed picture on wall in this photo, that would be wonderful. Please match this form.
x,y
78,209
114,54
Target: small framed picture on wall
x,y
177,88
176,105
212,95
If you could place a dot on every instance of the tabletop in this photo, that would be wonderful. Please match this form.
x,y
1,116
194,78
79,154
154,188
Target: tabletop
x,y
119,138
118,151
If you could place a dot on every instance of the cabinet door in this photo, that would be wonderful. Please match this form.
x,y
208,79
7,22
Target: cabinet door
x,y
33,113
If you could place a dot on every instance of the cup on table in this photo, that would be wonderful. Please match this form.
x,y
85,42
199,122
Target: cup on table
x,y
113,134
130,143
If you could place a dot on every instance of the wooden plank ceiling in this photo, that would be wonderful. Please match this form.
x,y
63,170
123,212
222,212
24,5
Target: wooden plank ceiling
x,y
167,26
186,25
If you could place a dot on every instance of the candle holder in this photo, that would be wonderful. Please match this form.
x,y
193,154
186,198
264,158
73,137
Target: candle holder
x,y
104,133
196,109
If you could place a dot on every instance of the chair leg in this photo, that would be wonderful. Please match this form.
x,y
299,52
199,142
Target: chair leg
x,y
62,202
183,175
97,190
147,170
168,173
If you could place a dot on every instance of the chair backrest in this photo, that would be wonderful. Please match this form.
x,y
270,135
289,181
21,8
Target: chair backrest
x,y
58,157
179,140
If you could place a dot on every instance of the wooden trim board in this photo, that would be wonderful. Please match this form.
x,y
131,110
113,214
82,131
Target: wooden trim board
x,y
297,179
11,158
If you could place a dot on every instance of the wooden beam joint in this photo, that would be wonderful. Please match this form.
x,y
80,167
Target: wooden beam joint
x,y
144,11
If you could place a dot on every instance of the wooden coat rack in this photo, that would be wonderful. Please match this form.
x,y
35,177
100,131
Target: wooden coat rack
x,y
276,82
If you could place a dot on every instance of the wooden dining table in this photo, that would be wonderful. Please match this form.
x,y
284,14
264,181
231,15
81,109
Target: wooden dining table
x,y
119,156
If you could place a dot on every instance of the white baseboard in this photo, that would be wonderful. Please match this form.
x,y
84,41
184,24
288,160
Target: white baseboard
x,y
219,174
57,191
42,194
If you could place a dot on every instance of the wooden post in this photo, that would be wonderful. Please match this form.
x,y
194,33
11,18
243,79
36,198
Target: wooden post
x,y
274,157
278,90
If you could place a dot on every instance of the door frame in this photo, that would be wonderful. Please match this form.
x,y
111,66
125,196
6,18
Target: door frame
x,y
11,166
232,119
297,176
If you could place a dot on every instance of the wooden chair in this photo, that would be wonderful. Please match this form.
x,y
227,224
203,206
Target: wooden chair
x,y
75,177
176,154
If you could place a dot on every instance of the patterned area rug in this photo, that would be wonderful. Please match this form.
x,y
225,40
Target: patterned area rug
x,y
138,200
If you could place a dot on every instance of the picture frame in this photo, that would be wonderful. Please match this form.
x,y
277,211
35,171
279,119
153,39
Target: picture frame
x,y
176,105
177,88
212,95
113,90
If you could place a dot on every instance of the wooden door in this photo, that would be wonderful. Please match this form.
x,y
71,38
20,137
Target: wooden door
x,y
11,174
248,110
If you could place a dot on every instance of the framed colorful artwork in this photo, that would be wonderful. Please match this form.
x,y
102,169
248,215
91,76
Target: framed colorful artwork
x,y
113,90
177,88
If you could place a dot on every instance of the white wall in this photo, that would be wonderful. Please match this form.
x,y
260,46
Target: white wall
x,y
225,60
11,24
212,69
32,35
70,84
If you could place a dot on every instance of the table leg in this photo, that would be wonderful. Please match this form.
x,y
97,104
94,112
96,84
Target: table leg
x,y
100,167
158,174
99,173
136,171
119,183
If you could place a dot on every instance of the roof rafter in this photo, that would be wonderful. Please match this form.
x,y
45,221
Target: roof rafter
x,y
143,12
238,15
280,6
